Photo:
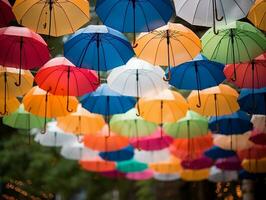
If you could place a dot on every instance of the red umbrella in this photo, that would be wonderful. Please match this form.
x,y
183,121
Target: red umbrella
x,y
255,152
22,48
249,74
258,137
60,77
6,14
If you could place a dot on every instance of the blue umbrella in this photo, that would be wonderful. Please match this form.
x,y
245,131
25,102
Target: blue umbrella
x,y
247,175
134,15
217,152
98,47
198,74
253,101
124,154
236,123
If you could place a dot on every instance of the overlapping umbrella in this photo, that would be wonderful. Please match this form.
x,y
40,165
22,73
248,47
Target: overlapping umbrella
x,y
257,14
6,14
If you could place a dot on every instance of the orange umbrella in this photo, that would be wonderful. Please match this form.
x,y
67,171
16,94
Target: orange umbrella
x,y
254,165
97,165
194,175
171,166
257,14
169,45
81,122
8,106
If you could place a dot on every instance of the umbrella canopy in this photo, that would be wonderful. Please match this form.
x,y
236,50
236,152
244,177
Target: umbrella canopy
x,y
254,152
171,166
6,14
236,123
9,106
259,122
156,141
232,163
169,45
81,122
215,101
97,165
190,126
55,18
253,101
248,74
257,14
134,16
258,137
216,152
246,175
218,175
194,175
166,106
229,46
140,176
132,165
120,155
198,163
166,177
114,174
254,165
98,47
152,156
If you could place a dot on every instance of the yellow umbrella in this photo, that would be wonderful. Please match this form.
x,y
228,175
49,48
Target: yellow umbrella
x,y
254,165
215,101
257,14
167,106
50,17
8,106
171,166
194,175
81,122
169,45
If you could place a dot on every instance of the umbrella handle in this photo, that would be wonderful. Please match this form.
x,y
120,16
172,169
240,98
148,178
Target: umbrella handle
x,y
168,78
20,62
5,106
134,45
79,139
19,78
168,57
199,101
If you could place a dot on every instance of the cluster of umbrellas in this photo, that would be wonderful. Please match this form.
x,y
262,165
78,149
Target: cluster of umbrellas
x,y
137,123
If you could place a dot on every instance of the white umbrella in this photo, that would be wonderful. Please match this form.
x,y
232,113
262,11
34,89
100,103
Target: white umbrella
x,y
259,122
166,177
152,156
217,175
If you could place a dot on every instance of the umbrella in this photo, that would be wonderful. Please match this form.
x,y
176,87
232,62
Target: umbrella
x,y
169,45
218,175
215,101
120,155
246,175
235,43
9,76
235,123
156,141
254,152
81,122
194,175
98,47
198,163
258,137
114,174
192,125
6,14
166,177
197,74
231,164
134,16
53,18
259,122
97,165
248,74
216,152
8,106
140,176
253,101
59,77
257,14
24,49
152,156
171,166
211,12
132,165
254,165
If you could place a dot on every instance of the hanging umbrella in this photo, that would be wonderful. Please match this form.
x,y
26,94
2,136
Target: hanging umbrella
x,y
198,163
254,166
140,176
215,101
24,49
81,122
53,18
9,106
235,43
194,175
169,45
6,14
9,76
258,137
59,77
114,174
211,12
126,153
218,175
216,152
134,16
192,125
235,123
257,14
97,165
197,74
231,164
248,74
253,101
152,156
156,141
254,152
166,177
246,175
259,122
132,165
171,166
98,47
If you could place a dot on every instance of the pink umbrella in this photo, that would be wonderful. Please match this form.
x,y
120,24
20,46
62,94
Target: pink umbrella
x,y
138,176
157,141
258,137
198,163
114,174
231,163
6,14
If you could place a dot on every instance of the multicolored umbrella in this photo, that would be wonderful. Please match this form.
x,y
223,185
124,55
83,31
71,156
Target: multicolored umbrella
x,y
126,153
254,166
114,174
231,164
198,163
254,152
53,18
140,176
171,166
258,137
152,156
257,14
132,165
194,175
216,152
97,165
6,14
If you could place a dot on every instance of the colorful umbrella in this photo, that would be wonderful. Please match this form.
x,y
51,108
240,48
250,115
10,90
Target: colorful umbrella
x,y
81,122
235,43
258,137
169,45
114,174
198,163
131,166
6,14
97,165
192,125
126,153
197,74
216,152
253,101
98,47
166,177
134,16
218,175
231,164
140,176
194,175
246,175
24,49
152,156
259,122
8,106
254,152
257,14
248,74
236,123
171,166
53,18
254,166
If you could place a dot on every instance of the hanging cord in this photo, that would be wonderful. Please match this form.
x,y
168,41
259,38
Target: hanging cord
x,y
68,80
137,134
98,57
45,112
216,113
5,99
137,80
161,118
253,87
108,116
50,17
134,45
198,83
232,35
188,143
20,61
168,57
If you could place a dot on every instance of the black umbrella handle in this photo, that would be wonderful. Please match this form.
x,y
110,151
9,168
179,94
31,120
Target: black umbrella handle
x,y
137,80
215,17
198,84
216,12
5,98
68,88
233,54
168,78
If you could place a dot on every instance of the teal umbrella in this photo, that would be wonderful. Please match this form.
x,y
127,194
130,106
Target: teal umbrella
x,y
131,166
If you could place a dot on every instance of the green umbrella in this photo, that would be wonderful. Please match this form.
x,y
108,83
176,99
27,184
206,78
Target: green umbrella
x,y
131,166
236,42
131,125
190,126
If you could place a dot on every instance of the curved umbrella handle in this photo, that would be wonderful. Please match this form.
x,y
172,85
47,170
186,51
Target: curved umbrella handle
x,y
19,79
199,101
134,45
168,78
216,32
